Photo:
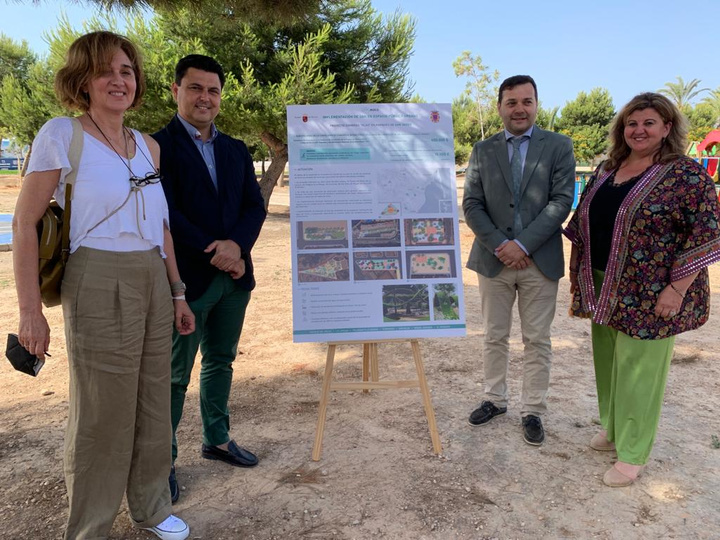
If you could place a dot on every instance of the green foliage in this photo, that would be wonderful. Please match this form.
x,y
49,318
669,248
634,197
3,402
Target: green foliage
x,y
595,108
15,58
261,10
261,107
714,442
586,120
347,53
26,105
682,93
343,53
714,101
466,125
479,87
546,118
462,152
702,119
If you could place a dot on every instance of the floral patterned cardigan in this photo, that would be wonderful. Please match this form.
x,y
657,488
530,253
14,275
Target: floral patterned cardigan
x,y
666,229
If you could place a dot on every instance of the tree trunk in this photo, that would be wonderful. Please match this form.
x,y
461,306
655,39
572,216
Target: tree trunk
x,y
277,165
23,170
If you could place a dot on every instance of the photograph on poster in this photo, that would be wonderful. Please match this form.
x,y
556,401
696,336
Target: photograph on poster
x,y
322,234
376,233
446,302
377,265
405,303
430,264
316,267
429,232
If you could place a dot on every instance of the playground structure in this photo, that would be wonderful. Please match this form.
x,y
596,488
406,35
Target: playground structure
x,y
582,177
707,153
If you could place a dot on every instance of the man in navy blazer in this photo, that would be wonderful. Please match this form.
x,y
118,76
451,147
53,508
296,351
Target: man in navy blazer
x,y
216,213
519,188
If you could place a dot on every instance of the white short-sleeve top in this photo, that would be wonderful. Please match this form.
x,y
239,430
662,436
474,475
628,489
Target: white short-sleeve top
x,y
101,186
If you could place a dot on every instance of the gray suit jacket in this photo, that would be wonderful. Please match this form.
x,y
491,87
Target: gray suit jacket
x,y
546,196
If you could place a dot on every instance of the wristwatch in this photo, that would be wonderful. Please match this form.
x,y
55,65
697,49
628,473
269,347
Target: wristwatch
x,y
177,289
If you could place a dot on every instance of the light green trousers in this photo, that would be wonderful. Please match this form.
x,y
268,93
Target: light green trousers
x,y
630,375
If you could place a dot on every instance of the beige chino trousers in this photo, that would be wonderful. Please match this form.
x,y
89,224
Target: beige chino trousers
x,y
536,296
118,325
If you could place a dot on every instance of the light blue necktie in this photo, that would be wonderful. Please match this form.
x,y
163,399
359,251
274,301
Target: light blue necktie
x,y
516,169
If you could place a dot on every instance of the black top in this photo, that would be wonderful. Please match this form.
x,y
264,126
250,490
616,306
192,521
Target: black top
x,y
603,212
201,213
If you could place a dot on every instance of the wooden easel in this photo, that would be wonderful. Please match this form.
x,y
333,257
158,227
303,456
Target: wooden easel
x,y
371,380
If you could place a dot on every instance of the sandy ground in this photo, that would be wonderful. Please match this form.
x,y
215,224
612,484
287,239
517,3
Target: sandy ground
x,y
378,477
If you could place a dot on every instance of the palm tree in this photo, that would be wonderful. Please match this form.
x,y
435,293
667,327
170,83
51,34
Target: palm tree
x,y
682,93
714,101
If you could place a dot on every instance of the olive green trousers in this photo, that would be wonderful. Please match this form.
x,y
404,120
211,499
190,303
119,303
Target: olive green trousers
x,y
118,326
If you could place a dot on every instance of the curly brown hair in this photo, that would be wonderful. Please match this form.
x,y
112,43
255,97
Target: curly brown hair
x,y
87,58
672,147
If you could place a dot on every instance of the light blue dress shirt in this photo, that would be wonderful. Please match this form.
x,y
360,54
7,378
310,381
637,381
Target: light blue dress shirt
x,y
523,145
206,148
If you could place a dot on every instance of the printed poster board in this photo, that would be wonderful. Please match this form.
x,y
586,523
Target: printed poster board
x,y
374,222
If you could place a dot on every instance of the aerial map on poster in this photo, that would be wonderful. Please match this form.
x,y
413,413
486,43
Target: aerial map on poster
x,y
374,221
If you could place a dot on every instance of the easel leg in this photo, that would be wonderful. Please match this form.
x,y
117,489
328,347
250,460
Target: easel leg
x,y
425,391
366,364
322,409
374,366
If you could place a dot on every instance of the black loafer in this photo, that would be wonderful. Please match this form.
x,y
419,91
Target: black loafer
x,y
235,455
533,431
484,413
174,488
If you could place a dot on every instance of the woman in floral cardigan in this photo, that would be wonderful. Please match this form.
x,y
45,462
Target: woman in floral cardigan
x,y
643,235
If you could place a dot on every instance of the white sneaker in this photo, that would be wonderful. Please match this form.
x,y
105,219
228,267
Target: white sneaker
x,y
173,528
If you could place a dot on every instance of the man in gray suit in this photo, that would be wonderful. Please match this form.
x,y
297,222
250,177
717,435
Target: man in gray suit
x,y
519,188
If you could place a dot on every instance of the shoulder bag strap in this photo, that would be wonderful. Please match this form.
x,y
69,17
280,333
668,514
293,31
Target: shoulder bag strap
x,y
76,146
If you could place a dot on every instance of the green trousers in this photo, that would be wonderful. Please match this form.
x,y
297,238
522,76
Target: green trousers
x,y
219,315
630,375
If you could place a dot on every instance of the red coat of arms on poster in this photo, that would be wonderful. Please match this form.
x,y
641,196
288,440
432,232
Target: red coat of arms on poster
x,y
434,117
305,118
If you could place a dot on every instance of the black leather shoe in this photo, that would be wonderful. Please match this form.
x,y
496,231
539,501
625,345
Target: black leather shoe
x,y
533,431
484,413
235,455
174,488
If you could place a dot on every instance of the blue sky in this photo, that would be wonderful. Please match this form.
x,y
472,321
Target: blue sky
x,y
626,46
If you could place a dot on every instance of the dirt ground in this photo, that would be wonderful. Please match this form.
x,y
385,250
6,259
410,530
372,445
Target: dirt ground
x,y
378,477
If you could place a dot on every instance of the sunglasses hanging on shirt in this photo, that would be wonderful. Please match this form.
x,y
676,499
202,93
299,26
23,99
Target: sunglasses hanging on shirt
x,y
152,177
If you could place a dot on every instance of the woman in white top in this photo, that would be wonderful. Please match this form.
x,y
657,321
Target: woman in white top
x,y
116,293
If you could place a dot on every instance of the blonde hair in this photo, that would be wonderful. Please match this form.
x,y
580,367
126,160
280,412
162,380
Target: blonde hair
x,y
672,147
87,58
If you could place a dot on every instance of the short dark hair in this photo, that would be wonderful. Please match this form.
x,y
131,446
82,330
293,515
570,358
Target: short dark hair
x,y
198,61
516,80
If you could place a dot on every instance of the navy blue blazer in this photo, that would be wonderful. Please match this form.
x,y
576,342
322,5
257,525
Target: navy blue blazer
x,y
201,214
